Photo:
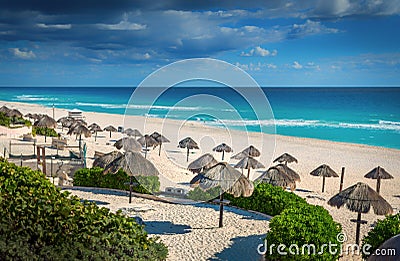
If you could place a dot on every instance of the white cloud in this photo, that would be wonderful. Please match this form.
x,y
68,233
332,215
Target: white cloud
x,y
22,54
123,25
259,51
297,65
54,26
310,28
255,66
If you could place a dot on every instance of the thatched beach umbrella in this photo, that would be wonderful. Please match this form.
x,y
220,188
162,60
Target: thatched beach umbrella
x,y
129,144
223,148
228,179
249,163
136,133
46,122
285,158
250,151
133,163
66,122
94,128
277,176
110,129
79,129
189,144
378,173
203,163
4,109
14,113
147,141
359,198
106,159
393,244
326,172
160,140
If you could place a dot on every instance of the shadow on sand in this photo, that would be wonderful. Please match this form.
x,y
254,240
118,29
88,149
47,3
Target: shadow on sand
x,y
241,212
165,228
97,202
242,246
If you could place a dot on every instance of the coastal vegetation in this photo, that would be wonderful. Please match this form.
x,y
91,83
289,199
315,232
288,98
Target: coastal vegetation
x,y
44,131
38,222
383,230
8,121
302,226
94,177
294,222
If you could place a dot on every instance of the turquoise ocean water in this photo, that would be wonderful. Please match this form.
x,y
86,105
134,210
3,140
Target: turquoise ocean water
x,y
357,115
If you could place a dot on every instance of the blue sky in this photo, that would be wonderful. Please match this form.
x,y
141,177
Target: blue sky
x,y
279,43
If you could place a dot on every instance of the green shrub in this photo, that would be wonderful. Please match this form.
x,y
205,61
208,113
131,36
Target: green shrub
x,y
301,225
44,131
267,199
201,195
4,120
94,177
38,222
384,229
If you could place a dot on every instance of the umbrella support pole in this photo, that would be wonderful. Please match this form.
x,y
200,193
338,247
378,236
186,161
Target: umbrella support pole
x,y
221,209
187,155
130,189
378,184
323,184
358,228
159,151
248,173
341,180
223,154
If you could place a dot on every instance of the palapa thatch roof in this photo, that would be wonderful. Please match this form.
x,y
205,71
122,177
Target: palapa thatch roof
x,y
222,147
359,198
229,179
46,121
110,128
14,113
128,143
131,132
4,109
276,176
324,171
147,141
133,163
106,159
159,138
249,163
203,162
285,158
290,172
250,151
378,172
94,127
188,143
79,129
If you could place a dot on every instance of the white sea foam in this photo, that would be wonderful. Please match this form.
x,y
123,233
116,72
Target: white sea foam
x,y
139,107
34,98
380,125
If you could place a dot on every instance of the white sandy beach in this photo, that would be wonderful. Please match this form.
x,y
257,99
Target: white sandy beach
x,y
190,232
